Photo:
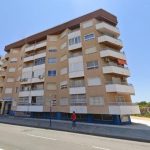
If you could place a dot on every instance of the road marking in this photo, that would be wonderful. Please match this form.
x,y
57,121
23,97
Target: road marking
x,y
42,137
102,148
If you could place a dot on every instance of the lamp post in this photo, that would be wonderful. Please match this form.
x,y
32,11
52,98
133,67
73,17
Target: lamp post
x,y
50,117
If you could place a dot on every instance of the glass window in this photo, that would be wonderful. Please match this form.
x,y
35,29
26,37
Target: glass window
x,y
39,61
52,60
92,64
52,50
75,40
89,37
52,73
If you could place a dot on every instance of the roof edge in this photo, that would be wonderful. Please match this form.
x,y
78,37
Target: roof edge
x,y
98,14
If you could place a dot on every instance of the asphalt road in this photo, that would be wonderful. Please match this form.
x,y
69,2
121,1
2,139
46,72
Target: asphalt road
x,y
26,138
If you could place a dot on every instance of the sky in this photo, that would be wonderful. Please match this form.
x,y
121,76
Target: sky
x,y
22,18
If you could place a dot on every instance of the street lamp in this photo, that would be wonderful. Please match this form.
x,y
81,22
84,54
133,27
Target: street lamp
x,y
50,119
52,103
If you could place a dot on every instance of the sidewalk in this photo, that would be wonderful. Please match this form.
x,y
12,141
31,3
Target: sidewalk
x,y
136,132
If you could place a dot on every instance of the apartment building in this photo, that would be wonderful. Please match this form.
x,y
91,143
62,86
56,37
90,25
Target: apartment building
x,y
76,66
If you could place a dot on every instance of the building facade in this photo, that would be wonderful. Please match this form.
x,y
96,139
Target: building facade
x,y
77,66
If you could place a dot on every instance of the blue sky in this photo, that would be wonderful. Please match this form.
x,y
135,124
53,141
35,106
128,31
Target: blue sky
x,y
21,18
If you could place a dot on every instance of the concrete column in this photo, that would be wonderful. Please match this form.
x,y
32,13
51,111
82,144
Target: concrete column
x,y
2,108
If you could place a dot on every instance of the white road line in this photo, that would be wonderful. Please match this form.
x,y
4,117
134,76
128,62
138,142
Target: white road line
x,y
42,137
102,148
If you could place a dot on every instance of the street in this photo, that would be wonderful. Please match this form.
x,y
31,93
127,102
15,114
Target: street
x,y
27,138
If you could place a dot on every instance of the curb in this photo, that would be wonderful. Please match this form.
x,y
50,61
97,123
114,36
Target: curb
x,y
80,132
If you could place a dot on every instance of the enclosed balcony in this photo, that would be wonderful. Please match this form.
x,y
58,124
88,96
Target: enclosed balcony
x,y
110,41
76,68
120,88
123,108
36,46
74,40
107,28
32,57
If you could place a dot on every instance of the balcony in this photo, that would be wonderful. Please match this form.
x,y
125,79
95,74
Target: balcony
x,y
120,88
123,108
77,90
37,92
112,69
78,102
24,93
32,92
107,28
28,58
113,54
36,46
30,108
7,56
39,79
33,57
110,41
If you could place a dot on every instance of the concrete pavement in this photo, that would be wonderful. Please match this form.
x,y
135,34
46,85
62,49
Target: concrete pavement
x,y
132,132
14,137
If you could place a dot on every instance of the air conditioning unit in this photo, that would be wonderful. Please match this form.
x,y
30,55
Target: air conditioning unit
x,y
41,76
21,80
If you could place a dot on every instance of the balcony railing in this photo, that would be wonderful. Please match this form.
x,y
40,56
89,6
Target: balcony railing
x,y
77,84
75,54
116,65
118,82
78,102
30,104
122,103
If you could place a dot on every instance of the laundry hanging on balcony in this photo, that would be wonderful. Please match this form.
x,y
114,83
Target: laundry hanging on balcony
x,y
122,62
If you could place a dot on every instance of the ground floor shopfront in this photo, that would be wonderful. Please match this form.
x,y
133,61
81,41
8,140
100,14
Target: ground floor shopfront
x,y
89,118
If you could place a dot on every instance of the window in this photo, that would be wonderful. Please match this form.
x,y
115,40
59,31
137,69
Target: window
x,y
13,60
63,71
87,24
23,101
94,81
51,86
75,67
39,61
92,64
78,99
8,90
37,100
52,73
90,50
64,45
12,69
64,101
17,89
75,40
63,58
52,60
89,37
77,83
63,84
96,100
52,50
10,79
